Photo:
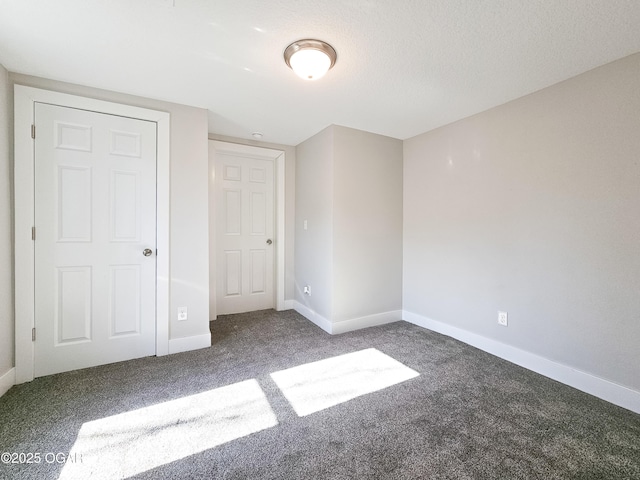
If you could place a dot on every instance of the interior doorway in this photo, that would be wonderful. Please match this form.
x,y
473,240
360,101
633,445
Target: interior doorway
x,y
246,228
26,133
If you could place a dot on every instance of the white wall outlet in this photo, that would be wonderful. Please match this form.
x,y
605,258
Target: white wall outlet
x,y
305,224
503,319
307,290
182,314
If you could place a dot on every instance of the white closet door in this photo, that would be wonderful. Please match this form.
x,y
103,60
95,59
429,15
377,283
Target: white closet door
x,y
95,217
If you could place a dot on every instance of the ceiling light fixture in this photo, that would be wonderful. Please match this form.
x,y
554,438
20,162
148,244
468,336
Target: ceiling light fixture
x,y
310,59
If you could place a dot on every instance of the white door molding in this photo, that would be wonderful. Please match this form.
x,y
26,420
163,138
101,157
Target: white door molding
x,y
278,157
24,104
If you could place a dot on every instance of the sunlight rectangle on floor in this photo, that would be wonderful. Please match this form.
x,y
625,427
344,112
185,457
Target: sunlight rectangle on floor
x,y
315,386
130,443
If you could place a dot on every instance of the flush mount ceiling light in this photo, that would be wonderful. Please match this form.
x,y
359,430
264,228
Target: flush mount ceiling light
x,y
310,59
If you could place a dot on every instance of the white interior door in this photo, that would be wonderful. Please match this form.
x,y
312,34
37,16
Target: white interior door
x,y
95,215
244,241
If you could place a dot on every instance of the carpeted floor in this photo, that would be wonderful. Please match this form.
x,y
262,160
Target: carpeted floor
x,y
399,402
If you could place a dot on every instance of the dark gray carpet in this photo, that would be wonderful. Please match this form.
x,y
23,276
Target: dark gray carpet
x,y
468,415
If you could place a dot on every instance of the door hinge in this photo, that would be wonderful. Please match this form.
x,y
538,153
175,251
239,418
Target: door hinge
x,y
33,233
33,131
33,334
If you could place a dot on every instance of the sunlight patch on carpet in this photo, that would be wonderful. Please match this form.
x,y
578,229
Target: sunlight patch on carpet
x,y
130,443
315,386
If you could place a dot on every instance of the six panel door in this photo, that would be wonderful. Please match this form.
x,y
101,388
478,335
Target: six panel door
x,y
95,214
244,200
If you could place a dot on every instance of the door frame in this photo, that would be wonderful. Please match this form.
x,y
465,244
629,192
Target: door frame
x,y
24,175
278,158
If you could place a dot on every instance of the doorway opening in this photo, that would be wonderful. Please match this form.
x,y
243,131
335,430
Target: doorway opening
x,y
246,228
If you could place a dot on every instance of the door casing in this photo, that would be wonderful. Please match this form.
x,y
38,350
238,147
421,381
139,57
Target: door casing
x,y
24,100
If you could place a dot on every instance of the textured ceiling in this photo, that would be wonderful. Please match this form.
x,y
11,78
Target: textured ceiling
x,y
404,66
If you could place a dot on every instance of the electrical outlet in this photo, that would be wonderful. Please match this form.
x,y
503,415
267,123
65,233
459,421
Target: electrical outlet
x,y
503,319
307,290
182,314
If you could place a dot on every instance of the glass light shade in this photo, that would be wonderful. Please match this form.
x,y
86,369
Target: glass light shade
x,y
310,59
310,64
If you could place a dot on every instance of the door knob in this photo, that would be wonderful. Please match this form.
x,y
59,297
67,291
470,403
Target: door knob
x,y
147,252
269,241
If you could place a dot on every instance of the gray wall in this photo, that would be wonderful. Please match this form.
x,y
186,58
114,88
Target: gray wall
x,y
367,224
533,207
189,264
6,225
290,194
314,203
349,190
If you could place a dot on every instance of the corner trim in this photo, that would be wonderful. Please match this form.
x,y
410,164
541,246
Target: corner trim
x,y
611,392
186,344
367,321
312,316
7,381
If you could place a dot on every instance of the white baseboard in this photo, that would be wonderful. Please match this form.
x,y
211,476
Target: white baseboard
x,y
289,304
312,316
7,381
335,328
185,344
586,382
364,322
